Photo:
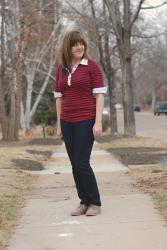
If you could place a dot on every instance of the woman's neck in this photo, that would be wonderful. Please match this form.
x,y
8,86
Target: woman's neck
x,y
76,61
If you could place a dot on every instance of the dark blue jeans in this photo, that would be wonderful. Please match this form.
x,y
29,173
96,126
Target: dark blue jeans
x,y
79,139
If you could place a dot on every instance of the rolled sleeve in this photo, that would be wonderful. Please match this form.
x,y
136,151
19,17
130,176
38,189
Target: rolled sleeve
x,y
57,94
100,90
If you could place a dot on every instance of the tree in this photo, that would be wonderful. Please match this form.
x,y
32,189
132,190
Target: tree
x,y
149,57
123,16
122,26
41,59
28,51
10,116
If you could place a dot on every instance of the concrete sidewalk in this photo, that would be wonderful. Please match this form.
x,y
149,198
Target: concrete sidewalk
x,y
128,220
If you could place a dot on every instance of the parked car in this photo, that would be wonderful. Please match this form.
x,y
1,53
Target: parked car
x,y
136,107
160,108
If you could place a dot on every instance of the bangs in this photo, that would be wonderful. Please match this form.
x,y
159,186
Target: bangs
x,y
75,38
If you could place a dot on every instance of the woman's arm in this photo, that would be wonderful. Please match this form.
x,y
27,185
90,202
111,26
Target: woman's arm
x,y
97,128
58,110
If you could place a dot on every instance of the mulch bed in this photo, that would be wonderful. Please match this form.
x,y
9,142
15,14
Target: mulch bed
x,y
135,155
45,141
139,155
26,164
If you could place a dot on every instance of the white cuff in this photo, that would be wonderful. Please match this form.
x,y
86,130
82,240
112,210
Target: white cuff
x,y
101,90
57,94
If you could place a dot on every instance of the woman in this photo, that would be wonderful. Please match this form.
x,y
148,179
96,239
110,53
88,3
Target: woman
x,y
79,93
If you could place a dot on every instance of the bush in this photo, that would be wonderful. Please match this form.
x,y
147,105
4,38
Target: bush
x,y
47,117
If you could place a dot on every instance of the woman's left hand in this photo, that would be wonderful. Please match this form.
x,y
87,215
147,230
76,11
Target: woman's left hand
x,y
97,129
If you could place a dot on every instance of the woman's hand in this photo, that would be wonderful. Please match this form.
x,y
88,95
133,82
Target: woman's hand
x,y
58,132
97,129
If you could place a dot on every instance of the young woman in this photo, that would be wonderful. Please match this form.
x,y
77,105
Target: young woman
x,y
79,93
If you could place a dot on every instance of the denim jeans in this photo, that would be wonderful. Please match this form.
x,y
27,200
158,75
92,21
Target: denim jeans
x,y
79,139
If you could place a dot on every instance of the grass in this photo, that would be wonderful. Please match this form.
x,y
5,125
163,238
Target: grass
x,y
6,211
153,180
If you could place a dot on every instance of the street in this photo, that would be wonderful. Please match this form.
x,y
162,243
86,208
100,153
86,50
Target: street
x,y
147,124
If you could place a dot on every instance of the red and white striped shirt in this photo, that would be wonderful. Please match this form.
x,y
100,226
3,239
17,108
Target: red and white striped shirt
x,y
77,90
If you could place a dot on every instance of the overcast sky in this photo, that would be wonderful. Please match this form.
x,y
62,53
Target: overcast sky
x,y
155,3
156,16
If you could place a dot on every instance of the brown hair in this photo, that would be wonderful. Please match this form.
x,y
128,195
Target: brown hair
x,y
70,39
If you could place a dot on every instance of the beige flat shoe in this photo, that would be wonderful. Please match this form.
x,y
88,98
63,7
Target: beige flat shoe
x,y
93,210
80,210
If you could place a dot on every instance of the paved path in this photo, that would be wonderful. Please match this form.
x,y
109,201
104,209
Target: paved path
x,y
128,221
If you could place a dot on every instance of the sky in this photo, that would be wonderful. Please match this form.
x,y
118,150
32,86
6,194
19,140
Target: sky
x,y
156,17
155,3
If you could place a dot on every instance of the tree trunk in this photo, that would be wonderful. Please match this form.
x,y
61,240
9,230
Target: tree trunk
x,y
129,118
42,90
122,31
153,97
3,116
33,66
110,74
17,84
22,118
11,123
30,81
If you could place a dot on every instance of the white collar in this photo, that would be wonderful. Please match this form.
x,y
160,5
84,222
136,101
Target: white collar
x,y
84,61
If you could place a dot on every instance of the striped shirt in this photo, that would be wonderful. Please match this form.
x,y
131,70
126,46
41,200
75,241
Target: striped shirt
x,y
77,89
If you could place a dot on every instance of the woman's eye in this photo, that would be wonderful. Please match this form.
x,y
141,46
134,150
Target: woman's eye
x,y
78,44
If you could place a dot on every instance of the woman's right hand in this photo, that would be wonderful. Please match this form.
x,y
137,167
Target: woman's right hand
x,y
58,132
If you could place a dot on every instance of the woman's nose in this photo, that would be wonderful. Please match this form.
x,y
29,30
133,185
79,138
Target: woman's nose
x,y
79,46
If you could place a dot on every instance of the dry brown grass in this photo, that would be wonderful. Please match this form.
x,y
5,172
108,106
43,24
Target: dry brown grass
x,y
153,180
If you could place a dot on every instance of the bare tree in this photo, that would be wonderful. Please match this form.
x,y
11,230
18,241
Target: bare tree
x,y
151,73
123,16
10,119
122,26
42,60
3,118
28,50
149,53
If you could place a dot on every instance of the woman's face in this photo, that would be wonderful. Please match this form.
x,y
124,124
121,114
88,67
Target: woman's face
x,y
78,50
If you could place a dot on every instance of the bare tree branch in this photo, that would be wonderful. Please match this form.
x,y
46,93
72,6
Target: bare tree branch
x,y
116,21
46,73
148,37
51,66
80,13
137,13
154,7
